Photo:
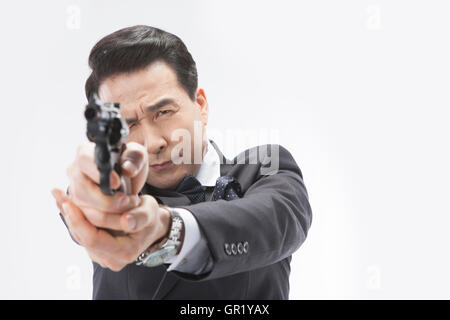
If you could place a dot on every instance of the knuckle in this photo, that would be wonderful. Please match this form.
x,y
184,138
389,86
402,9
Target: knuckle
x,y
135,201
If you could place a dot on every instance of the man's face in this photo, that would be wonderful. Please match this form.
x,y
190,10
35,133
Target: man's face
x,y
154,106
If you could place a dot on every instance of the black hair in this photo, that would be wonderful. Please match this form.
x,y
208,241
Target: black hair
x,y
134,48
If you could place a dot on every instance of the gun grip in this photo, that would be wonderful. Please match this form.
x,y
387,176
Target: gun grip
x,y
104,183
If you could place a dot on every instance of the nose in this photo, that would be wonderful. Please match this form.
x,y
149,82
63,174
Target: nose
x,y
154,141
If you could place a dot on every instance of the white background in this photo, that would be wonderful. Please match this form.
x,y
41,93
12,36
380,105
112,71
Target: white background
x,y
358,91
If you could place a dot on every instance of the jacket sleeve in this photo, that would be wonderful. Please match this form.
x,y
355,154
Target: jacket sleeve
x,y
272,218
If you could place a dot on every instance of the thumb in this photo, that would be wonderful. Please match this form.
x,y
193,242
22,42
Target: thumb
x,y
133,159
134,164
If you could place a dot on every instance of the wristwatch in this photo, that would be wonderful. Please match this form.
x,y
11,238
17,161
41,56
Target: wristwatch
x,y
152,258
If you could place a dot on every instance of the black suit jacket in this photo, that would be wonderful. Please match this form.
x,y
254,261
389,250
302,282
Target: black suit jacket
x,y
272,219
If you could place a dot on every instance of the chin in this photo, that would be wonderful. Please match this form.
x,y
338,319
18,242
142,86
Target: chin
x,y
160,184
170,182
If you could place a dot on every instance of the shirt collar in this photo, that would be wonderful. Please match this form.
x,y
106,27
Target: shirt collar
x,y
209,170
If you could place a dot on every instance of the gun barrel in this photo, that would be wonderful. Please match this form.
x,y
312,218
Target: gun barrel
x,y
90,113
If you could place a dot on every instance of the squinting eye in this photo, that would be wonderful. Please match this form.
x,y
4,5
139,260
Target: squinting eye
x,y
163,112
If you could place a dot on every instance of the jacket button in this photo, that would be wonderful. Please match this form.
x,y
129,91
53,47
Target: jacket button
x,y
240,248
227,249
233,248
245,247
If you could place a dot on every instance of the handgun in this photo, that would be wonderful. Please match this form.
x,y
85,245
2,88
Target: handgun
x,y
109,131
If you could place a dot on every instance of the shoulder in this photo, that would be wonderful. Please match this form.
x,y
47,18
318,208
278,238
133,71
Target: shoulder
x,y
269,158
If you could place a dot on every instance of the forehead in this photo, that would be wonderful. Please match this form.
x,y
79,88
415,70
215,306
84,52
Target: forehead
x,y
142,86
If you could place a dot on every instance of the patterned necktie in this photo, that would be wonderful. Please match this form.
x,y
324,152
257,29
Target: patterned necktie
x,y
192,189
227,188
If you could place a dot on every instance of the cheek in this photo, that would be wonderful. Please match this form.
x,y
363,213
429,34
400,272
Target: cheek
x,y
180,122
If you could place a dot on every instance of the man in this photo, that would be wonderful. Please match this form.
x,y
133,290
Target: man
x,y
232,226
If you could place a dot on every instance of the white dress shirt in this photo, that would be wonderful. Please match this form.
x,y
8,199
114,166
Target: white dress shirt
x,y
194,256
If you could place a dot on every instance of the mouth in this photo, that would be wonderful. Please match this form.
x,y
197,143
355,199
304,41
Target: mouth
x,y
162,166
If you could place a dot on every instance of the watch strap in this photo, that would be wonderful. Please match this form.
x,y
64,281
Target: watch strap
x,y
169,247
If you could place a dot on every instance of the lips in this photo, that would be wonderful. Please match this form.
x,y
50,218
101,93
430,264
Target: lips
x,y
162,165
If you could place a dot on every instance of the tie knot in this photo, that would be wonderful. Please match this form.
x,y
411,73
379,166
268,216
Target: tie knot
x,y
227,188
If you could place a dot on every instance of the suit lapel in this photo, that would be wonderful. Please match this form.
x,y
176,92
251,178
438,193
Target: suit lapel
x,y
225,164
243,173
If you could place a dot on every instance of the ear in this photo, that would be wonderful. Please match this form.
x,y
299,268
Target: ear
x,y
202,103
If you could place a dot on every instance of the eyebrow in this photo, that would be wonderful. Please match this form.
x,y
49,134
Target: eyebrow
x,y
152,108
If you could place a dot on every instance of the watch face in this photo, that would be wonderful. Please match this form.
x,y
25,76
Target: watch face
x,y
158,257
